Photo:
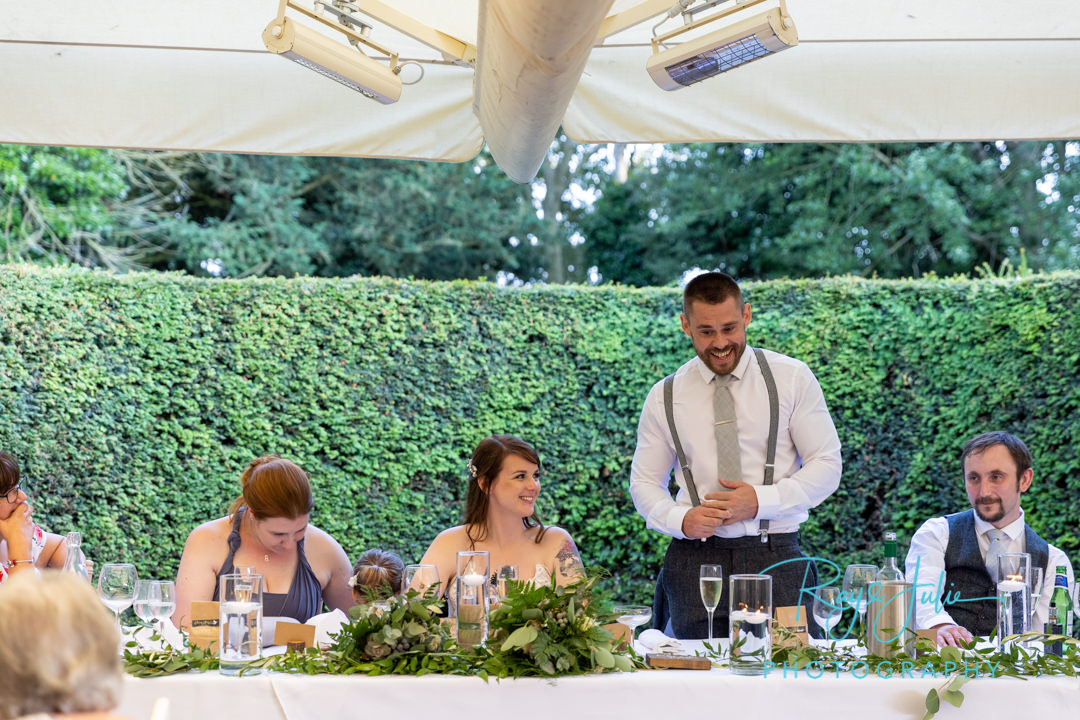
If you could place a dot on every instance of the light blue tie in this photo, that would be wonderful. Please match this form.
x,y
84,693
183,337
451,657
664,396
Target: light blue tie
x,y
728,456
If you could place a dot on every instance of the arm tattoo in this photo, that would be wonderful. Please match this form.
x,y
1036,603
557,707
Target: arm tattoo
x,y
569,561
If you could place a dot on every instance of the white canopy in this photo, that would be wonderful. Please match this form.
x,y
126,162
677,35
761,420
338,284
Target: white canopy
x,y
196,76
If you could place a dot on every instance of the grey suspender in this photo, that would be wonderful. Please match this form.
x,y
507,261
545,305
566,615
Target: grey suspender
x,y
770,452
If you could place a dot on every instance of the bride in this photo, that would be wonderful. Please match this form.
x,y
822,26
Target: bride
x,y
500,517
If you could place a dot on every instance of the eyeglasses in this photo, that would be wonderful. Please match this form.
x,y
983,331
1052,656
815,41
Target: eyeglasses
x,y
13,494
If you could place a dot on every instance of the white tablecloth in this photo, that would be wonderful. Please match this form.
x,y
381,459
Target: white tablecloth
x,y
645,694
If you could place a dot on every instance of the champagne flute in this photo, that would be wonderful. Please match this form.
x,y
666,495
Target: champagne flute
x,y
857,581
712,584
116,587
827,609
1036,581
422,578
631,616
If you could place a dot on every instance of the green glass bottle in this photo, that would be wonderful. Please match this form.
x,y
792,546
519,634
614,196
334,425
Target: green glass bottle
x,y
1061,609
889,572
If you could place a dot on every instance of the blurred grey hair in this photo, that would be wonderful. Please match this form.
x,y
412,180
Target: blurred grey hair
x,y
59,648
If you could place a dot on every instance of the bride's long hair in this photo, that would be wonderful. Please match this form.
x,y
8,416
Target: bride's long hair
x,y
485,466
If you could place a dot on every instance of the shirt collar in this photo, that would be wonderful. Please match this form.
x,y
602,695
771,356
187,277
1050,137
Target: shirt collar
x,y
738,373
1014,530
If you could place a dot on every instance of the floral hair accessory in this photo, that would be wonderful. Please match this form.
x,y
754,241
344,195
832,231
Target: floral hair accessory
x,y
352,582
472,469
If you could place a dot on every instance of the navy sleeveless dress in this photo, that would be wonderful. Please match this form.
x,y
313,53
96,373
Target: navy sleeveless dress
x,y
304,598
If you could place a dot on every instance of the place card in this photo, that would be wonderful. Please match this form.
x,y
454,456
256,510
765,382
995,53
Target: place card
x,y
286,633
793,619
205,621
930,635
620,634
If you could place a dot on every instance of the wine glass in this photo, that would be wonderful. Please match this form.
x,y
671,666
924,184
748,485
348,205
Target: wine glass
x,y
857,580
422,578
631,616
141,603
155,600
505,574
827,608
1036,581
712,584
116,587
162,601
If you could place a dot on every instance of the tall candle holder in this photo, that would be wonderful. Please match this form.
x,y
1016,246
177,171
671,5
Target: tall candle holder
x,y
471,596
750,617
1014,594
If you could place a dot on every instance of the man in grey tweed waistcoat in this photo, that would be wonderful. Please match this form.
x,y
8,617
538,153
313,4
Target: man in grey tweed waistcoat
x,y
953,559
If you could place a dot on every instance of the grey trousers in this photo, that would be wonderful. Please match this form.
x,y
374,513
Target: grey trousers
x,y
678,595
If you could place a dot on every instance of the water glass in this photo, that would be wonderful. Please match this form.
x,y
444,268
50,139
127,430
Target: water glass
x,y
503,577
711,582
471,596
421,578
1014,594
240,631
1036,583
750,617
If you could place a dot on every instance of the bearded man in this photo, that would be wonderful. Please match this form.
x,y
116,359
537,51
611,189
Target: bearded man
x,y
753,448
952,560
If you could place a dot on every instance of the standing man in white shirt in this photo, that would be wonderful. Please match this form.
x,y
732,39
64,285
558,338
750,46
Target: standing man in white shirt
x,y
734,507
952,560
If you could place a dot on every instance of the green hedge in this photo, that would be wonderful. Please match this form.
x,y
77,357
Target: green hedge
x,y
134,402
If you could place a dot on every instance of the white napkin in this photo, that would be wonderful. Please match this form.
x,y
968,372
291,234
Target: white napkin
x,y
326,624
655,641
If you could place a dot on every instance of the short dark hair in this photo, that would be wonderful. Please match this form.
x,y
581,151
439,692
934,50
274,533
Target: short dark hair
x,y
9,472
1013,444
712,288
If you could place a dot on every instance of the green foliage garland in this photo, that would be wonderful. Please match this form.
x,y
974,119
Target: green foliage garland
x,y
538,630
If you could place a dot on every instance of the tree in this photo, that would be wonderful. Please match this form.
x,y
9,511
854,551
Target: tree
x,y
73,205
803,210
241,215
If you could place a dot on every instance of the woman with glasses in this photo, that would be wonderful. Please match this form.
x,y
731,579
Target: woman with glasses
x,y
23,545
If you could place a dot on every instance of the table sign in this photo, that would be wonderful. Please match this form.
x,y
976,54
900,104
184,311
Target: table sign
x,y
750,618
927,634
286,633
620,634
792,618
205,619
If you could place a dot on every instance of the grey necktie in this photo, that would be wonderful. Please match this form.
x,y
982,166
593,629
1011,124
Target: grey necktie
x,y
997,547
728,460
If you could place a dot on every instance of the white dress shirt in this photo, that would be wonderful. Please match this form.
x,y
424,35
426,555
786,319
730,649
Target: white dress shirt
x,y
928,546
808,461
